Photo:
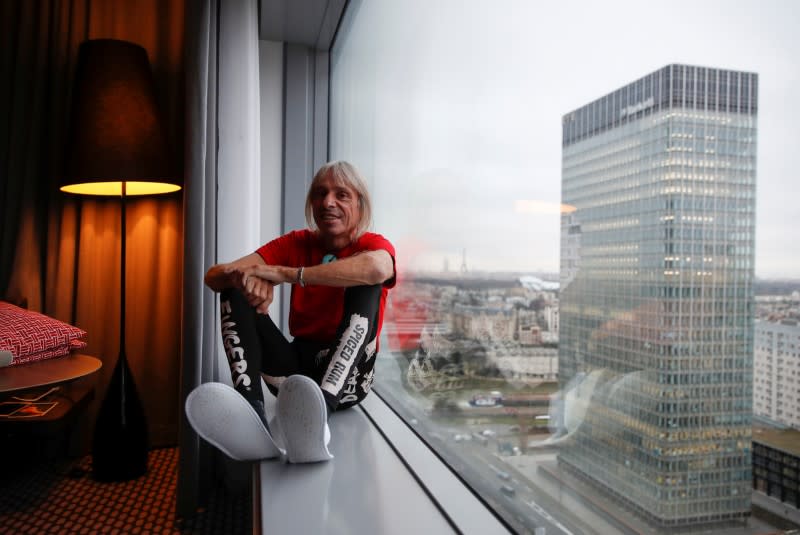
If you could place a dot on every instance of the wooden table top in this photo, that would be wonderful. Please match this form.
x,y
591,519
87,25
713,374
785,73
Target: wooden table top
x,y
47,372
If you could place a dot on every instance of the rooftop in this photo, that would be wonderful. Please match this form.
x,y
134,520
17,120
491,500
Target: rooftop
x,y
784,439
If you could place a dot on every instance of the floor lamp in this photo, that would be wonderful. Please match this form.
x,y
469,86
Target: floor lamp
x,y
117,147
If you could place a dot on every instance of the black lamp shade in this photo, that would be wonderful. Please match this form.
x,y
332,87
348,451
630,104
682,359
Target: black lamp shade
x,y
115,132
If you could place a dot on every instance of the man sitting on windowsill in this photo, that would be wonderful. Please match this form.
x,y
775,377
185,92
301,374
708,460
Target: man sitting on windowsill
x,y
341,275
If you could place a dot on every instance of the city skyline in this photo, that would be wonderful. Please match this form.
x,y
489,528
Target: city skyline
x,y
454,115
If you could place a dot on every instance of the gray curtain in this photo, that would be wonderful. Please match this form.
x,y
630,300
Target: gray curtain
x,y
198,334
221,206
37,44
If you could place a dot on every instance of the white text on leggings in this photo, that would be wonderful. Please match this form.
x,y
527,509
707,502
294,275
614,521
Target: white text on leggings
x,y
235,353
349,345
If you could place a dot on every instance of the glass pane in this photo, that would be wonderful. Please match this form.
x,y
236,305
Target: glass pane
x,y
586,285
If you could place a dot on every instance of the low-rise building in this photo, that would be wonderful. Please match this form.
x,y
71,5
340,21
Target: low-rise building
x,y
776,463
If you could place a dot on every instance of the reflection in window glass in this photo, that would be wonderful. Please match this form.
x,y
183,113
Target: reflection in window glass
x,y
580,254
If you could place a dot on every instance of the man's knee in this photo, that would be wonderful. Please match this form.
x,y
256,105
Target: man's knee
x,y
233,295
232,300
363,294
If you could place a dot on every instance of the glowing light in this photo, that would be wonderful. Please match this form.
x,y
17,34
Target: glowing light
x,y
115,188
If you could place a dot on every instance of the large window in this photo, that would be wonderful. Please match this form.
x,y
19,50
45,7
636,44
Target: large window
x,y
581,251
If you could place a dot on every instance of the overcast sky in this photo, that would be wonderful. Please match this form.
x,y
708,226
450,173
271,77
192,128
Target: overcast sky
x,y
455,108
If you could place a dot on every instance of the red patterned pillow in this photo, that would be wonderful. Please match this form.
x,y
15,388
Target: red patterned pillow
x,y
32,336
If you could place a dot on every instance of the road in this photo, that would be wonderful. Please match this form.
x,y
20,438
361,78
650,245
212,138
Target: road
x,y
526,508
527,502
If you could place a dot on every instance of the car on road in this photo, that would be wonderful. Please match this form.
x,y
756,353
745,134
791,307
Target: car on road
x,y
508,490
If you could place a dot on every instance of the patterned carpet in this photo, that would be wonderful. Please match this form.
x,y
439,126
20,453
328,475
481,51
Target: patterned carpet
x,y
62,498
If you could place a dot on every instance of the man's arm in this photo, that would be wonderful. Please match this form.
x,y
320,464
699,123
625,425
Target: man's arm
x,y
363,269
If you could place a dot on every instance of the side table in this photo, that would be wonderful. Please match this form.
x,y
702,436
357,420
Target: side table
x,y
69,396
14,379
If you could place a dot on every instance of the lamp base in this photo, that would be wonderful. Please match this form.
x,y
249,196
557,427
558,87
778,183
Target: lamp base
x,y
120,444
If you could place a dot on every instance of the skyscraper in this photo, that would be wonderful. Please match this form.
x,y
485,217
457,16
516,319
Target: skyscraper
x,y
657,291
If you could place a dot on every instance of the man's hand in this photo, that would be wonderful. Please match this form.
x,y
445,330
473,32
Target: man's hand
x,y
221,276
256,289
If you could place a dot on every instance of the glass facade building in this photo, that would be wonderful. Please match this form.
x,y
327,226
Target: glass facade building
x,y
656,302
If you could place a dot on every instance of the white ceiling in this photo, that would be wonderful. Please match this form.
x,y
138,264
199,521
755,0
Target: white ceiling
x,y
308,22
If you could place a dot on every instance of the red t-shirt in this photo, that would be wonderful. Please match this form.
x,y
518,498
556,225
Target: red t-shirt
x,y
316,311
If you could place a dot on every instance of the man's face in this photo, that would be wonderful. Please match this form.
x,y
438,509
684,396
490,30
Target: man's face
x,y
335,207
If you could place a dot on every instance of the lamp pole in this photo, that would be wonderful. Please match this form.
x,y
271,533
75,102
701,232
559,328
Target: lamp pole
x,y
123,262
120,445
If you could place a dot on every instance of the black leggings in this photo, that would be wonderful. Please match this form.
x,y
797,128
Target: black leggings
x,y
343,368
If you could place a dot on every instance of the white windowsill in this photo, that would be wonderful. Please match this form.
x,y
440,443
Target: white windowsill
x,y
383,479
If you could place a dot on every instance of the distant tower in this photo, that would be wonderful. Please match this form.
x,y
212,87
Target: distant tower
x,y
463,261
446,265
